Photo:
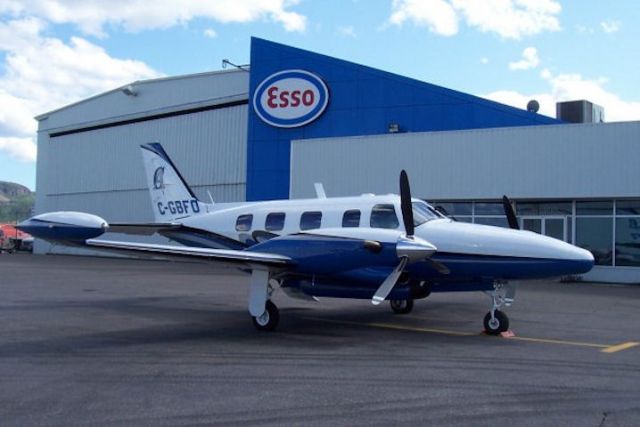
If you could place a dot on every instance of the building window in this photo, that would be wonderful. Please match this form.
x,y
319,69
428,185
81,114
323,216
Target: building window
x,y
594,208
384,216
310,220
628,207
544,209
275,221
495,221
243,223
482,208
351,218
628,241
595,234
456,209
627,235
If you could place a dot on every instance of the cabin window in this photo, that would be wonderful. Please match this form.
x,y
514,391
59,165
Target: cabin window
x,y
310,220
422,213
384,216
243,223
351,218
275,221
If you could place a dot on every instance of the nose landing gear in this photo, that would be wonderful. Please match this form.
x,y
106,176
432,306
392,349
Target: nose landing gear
x,y
495,321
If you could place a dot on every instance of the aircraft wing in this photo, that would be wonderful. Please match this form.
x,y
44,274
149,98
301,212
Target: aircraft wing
x,y
180,233
143,229
226,256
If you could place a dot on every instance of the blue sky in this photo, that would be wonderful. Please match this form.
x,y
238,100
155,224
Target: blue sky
x,y
55,52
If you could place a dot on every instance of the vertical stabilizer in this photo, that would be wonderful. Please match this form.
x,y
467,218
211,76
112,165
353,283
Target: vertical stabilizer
x,y
171,197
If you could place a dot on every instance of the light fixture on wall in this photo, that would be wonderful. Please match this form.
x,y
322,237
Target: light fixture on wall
x,y
393,128
129,91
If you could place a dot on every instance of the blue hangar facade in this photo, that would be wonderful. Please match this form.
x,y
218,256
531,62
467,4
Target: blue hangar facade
x,y
337,98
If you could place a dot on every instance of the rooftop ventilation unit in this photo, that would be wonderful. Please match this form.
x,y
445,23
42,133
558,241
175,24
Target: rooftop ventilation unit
x,y
579,112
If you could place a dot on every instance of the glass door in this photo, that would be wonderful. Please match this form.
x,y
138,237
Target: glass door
x,y
552,226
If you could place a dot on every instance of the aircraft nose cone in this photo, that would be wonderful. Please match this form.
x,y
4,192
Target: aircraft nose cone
x,y
567,258
583,261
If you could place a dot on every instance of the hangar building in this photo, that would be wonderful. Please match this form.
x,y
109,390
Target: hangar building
x,y
297,117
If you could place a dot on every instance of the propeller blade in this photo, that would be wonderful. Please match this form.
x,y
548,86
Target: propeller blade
x,y
385,288
405,204
511,215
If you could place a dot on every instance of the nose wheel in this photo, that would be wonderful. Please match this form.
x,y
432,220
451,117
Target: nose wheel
x,y
401,306
495,321
496,324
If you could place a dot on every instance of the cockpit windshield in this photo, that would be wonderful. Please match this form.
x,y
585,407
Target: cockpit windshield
x,y
422,213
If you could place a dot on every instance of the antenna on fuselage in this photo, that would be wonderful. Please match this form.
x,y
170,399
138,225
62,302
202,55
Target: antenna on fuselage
x,y
320,194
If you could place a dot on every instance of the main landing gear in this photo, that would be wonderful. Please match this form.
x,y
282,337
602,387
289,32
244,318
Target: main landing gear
x,y
495,321
268,320
401,306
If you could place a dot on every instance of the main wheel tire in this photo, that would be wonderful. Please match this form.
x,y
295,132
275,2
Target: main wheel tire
x,y
269,319
401,306
497,325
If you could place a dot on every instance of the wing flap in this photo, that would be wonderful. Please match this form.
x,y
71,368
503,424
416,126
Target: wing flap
x,y
227,256
143,229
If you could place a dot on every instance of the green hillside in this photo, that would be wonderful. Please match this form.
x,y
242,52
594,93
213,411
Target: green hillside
x,y
16,202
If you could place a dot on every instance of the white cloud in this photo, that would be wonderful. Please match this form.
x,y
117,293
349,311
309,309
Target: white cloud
x,y
43,73
347,31
529,60
438,16
582,29
511,19
210,33
571,87
92,16
610,26
23,149
484,60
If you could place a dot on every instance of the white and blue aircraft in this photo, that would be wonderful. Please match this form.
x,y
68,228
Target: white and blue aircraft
x,y
388,247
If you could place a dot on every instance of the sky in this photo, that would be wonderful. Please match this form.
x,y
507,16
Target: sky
x,y
56,52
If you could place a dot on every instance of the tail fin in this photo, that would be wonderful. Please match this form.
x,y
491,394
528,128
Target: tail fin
x,y
171,197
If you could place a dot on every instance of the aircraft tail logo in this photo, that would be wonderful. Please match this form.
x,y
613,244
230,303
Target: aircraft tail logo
x,y
171,197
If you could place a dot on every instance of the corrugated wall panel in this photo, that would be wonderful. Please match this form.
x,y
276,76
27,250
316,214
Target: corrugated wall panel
x,y
153,95
101,171
559,161
208,147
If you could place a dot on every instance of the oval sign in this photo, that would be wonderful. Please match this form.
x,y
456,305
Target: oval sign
x,y
291,98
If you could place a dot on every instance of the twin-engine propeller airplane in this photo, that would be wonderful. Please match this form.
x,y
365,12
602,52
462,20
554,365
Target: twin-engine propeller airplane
x,y
346,247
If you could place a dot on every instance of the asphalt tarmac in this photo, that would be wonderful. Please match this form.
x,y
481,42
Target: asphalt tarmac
x,y
95,341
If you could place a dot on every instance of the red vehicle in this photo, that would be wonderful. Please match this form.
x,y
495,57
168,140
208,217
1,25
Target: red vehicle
x,y
12,239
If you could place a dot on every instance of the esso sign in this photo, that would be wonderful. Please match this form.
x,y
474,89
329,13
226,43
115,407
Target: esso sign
x,y
290,98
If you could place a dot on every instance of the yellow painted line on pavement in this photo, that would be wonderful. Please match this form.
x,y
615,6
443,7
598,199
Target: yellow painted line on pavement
x,y
561,342
390,326
605,348
620,347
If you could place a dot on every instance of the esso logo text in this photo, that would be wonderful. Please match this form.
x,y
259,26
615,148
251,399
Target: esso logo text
x,y
290,98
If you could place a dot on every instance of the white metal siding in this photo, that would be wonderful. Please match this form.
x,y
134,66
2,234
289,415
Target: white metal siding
x,y
537,162
174,93
101,171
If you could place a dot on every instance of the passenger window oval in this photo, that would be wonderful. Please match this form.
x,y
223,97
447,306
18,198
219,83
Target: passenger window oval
x,y
310,220
351,218
274,221
243,223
